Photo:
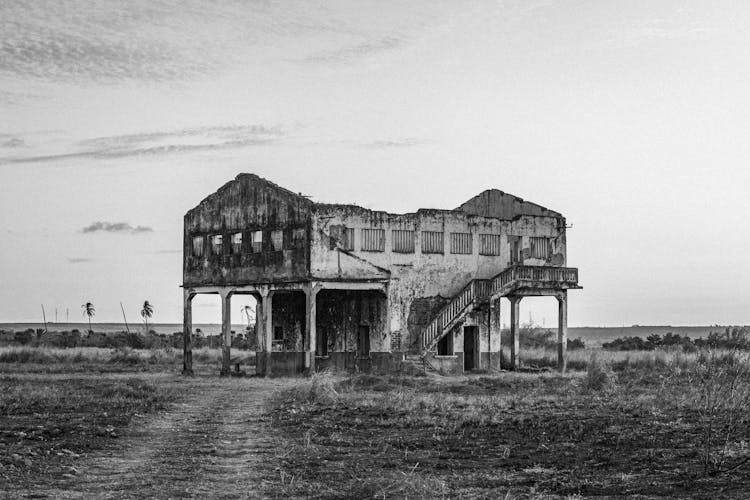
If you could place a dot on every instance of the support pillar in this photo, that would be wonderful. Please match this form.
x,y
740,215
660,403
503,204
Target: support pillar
x,y
187,333
562,331
265,333
495,335
226,331
515,361
311,294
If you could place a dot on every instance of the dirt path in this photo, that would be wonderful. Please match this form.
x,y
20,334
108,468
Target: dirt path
x,y
214,444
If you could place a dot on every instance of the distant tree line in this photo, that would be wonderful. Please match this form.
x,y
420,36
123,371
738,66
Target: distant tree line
x,y
734,337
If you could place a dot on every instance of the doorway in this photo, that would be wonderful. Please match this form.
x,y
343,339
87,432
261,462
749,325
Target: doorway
x,y
471,348
363,341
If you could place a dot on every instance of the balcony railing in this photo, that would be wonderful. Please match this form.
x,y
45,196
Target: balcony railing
x,y
536,275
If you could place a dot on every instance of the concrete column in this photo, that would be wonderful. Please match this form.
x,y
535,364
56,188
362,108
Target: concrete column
x,y
495,336
226,330
311,293
265,333
187,333
562,330
515,303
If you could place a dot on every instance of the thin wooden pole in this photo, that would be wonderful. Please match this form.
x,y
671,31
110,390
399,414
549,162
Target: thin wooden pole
x,y
44,316
123,317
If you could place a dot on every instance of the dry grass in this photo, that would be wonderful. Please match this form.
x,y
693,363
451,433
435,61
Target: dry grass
x,y
84,359
634,430
49,421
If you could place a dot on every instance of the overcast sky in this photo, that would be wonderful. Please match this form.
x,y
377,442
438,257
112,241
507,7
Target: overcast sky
x,y
632,118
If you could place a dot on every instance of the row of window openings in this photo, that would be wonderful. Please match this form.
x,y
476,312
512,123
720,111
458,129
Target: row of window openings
x,y
373,240
216,242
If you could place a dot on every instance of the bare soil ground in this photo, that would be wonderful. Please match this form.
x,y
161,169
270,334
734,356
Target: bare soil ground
x,y
214,442
506,436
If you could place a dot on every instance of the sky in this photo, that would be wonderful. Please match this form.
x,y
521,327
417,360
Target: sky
x,y
631,118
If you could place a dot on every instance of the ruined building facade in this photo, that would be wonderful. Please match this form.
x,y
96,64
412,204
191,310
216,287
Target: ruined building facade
x,y
341,286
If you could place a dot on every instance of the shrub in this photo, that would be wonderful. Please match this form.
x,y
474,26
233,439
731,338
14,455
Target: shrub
x,y
722,380
575,344
598,376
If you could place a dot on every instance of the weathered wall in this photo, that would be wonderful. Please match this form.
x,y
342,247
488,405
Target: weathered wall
x,y
341,312
496,203
419,283
288,313
245,205
419,280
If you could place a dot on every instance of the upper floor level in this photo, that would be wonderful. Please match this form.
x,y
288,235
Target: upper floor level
x,y
252,231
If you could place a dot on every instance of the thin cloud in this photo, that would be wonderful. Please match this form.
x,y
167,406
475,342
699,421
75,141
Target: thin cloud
x,y
158,143
11,141
115,227
393,143
352,53
79,260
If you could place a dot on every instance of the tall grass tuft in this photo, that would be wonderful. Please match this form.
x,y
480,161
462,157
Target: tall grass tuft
x,y
321,388
599,376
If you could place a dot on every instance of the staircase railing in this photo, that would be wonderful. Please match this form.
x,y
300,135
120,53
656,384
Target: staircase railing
x,y
475,290
501,284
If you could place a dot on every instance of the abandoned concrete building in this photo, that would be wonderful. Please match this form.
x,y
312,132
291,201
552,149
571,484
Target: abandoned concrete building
x,y
341,286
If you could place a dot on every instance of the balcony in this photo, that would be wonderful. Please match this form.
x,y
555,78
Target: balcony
x,y
534,278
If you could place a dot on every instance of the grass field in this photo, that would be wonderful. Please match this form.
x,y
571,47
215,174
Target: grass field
x,y
651,424
631,426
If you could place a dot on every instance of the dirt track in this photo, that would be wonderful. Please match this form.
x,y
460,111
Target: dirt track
x,y
213,444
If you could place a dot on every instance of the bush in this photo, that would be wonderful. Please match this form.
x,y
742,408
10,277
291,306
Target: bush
x,y
650,343
722,383
737,338
598,376
575,344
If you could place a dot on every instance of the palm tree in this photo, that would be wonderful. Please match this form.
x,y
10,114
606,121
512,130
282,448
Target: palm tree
x,y
249,313
88,310
147,312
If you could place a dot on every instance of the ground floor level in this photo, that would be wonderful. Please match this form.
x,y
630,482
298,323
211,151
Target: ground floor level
x,y
313,326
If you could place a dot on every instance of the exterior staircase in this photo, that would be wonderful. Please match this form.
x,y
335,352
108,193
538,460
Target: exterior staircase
x,y
480,291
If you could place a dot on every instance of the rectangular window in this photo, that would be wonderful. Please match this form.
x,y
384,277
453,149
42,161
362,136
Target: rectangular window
x,y
445,345
216,242
298,237
373,240
432,242
541,248
403,241
347,238
257,241
197,246
277,240
489,244
461,243
236,243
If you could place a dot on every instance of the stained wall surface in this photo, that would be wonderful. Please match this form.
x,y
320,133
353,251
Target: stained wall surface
x,y
246,206
423,258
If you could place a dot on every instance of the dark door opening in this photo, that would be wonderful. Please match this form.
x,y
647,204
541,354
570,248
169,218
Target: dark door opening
x,y
321,343
471,341
363,341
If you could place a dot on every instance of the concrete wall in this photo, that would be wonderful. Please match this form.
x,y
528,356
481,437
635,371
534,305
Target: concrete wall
x,y
418,280
418,283
340,313
245,205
